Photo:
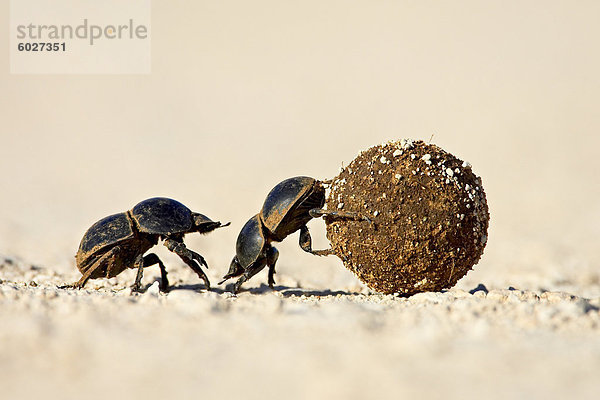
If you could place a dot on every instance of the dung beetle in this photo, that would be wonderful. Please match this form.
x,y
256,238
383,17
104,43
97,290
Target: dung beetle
x,y
287,208
119,241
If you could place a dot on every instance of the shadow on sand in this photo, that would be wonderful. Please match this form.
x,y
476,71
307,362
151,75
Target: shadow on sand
x,y
286,291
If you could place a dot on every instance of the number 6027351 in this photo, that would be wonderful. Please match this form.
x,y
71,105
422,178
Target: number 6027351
x,y
42,46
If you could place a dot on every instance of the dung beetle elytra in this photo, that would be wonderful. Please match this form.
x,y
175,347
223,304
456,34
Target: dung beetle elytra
x,y
287,208
119,241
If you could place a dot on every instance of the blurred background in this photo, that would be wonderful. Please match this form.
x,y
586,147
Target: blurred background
x,y
245,94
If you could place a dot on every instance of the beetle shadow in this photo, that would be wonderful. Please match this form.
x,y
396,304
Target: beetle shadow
x,y
288,291
317,293
198,287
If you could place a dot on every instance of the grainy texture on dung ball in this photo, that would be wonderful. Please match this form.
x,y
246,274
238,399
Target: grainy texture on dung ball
x,y
429,211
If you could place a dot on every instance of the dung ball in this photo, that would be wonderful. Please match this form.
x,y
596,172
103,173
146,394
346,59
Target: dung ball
x,y
428,212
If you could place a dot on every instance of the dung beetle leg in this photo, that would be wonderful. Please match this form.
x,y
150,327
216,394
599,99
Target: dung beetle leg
x,y
306,243
139,264
249,273
98,264
148,261
151,259
272,256
319,212
188,257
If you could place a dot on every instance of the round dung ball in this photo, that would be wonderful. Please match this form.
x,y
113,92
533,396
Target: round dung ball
x,y
428,212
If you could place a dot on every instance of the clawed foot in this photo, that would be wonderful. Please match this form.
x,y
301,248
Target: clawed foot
x,y
164,285
236,287
136,288
223,280
197,257
272,272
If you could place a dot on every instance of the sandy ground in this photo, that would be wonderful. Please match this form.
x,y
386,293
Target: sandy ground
x,y
293,341
242,96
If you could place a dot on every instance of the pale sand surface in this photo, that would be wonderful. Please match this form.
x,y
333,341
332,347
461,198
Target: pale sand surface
x,y
243,96
293,342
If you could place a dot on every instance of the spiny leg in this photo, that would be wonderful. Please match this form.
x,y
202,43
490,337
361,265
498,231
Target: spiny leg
x,y
189,257
249,273
151,259
319,212
139,264
238,283
306,243
147,261
272,256
101,262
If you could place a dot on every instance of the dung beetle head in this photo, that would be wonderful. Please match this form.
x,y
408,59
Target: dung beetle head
x,y
249,248
250,242
203,224
235,269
